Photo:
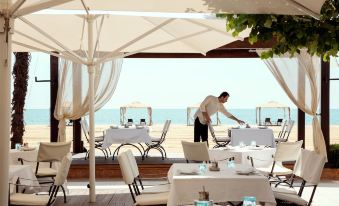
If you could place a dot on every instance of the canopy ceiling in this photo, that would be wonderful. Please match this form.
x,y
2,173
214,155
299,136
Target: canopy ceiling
x,y
136,104
291,7
273,104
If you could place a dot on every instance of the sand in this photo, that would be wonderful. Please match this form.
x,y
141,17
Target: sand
x,y
38,133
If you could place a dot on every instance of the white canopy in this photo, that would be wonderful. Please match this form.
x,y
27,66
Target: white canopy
x,y
135,104
291,7
271,105
190,117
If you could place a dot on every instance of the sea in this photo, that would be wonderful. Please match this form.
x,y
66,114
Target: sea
x,y
178,116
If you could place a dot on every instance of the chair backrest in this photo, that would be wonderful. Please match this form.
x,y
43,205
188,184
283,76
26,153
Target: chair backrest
x,y
53,151
288,130
63,170
165,130
195,151
279,121
288,151
309,166
142,121
133,163
127,174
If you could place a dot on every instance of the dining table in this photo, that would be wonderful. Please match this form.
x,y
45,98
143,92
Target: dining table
x,y
229,184
246,136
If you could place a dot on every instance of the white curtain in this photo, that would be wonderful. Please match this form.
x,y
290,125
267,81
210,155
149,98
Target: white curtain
x,y
300,79
73,100
149,112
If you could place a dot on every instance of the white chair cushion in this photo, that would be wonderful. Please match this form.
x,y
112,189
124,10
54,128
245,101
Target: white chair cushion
x,y
278,170
286,190
293,198
155,139
28,199
280,139
152,199
157,189
46,172
99,139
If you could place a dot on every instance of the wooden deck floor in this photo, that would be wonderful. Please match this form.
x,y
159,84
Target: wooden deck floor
x,y
122,199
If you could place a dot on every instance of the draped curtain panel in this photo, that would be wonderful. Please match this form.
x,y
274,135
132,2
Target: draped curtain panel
x,y
300,79
73,100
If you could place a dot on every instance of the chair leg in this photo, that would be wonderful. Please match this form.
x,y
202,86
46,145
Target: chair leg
x,y
163,149
131,191
50,200
63,190
142,186
57,190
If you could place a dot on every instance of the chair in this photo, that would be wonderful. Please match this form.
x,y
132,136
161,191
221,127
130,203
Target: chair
x,y
130,122
308,167
219,141
286,151
136,174
285,131
267,121
279,122
156,142
195,151
98,140
128,177
143,122
40,199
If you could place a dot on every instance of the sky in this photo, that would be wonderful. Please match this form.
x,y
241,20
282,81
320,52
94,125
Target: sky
x,y
178,83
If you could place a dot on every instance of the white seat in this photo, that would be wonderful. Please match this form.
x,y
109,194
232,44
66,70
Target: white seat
x,y
34,199
128,177
309,167
195,151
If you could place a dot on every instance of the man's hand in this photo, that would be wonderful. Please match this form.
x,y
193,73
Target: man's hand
x,y
207,117
240,122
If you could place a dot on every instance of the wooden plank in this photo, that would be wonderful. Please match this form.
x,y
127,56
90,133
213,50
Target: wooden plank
x,y
325,103
54,84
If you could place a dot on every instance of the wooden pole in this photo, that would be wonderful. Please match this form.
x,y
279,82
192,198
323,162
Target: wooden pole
x,y
325,103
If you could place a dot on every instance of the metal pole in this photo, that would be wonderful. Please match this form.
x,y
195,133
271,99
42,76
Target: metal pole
x,y
5,103
91,72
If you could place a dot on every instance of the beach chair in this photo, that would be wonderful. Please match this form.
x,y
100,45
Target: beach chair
x,y
279,122
195,151
267,121
157,141
143,122
138,198
308,167
17,198
129,122
219,141
98,140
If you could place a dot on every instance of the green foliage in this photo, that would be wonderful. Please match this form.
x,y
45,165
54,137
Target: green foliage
x,y
334,147
292,33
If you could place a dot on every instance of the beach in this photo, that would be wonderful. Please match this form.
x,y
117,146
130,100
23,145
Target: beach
x,y
177,132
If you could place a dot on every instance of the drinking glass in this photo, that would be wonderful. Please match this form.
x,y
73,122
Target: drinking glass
x,y
249,201
231,164
203,168
253,143
17,146
242,144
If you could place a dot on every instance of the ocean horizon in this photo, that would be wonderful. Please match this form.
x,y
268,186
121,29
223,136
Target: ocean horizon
x,y
178,116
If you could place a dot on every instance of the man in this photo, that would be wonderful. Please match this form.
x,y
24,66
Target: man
x,y
208,107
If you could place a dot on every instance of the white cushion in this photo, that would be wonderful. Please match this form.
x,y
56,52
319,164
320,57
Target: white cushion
x,y
155,139
278,170
28,199
99,139
286,190
152,199
280,139
157,189
46,172
293,198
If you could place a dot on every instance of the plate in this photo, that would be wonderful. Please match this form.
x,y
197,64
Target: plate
x,y
255,148
245,172
262,127
27,148
188,172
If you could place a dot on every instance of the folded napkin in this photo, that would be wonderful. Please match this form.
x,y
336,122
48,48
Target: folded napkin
x,y
188,171
244,170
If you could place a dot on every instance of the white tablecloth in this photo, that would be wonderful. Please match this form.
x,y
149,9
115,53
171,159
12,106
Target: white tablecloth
x,y
246,135
126,135
261,155
23,171
222,186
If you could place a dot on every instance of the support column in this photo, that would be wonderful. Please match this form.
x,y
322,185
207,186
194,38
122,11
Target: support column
x,y
54,85
301,126
91,72
325,103
5,103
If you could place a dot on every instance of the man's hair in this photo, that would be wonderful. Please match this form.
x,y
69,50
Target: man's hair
x,y
224,94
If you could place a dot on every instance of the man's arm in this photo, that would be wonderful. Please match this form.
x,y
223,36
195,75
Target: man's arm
x,y
236,119
229,115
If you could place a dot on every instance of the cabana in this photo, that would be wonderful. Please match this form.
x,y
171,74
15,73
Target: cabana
x,y
135,104
190,115
272,105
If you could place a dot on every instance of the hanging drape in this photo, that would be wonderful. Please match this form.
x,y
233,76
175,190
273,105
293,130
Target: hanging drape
x,y
72,99
300,79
